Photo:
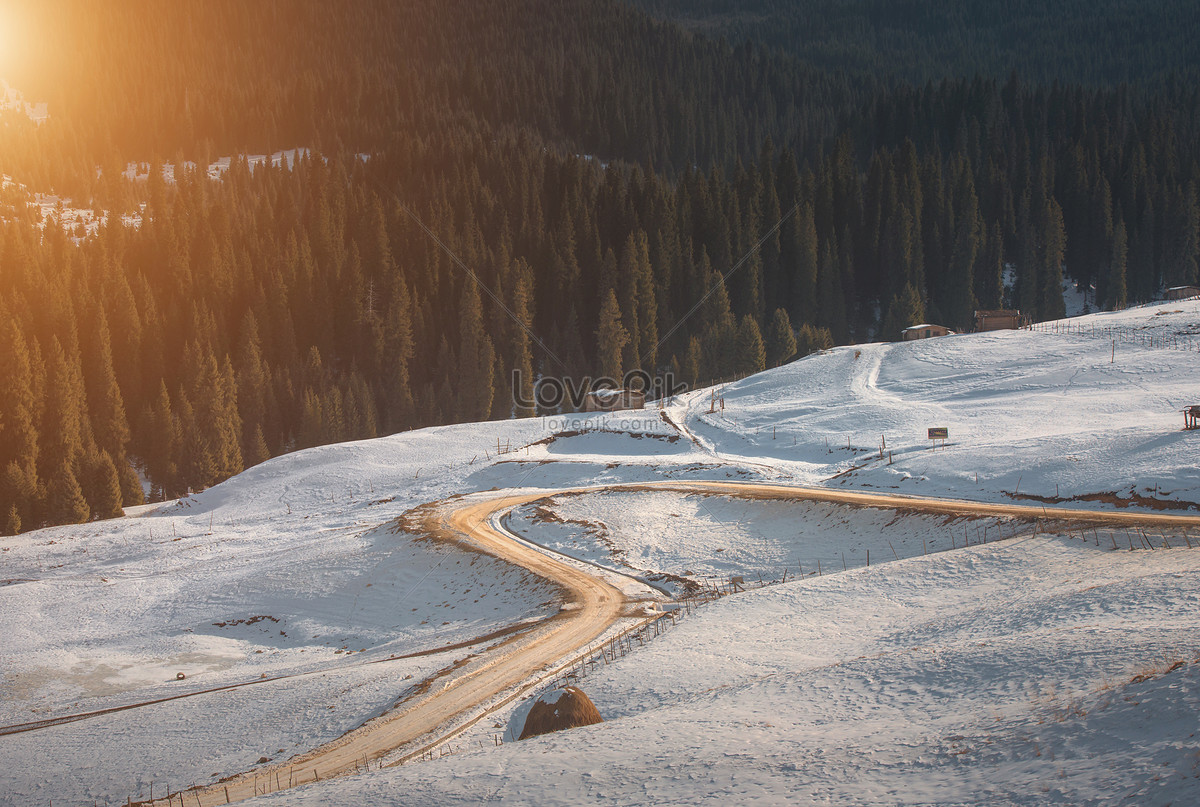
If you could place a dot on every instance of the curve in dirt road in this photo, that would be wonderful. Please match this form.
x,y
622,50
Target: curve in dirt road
x,y
420,722
414,725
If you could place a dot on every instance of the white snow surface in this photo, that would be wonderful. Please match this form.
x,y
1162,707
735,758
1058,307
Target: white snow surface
x,y
81,223
13,99
286,158
710,539
999,674
1026,671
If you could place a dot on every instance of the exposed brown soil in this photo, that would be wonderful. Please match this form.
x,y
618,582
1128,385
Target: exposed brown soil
x,y
1132,500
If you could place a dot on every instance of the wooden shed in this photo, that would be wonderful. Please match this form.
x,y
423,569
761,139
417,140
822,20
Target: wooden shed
x,y
611,400
1000,319
925,331
1182,292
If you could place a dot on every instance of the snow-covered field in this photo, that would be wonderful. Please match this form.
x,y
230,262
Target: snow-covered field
x,y
1046,414
1002,672
998,674
709,539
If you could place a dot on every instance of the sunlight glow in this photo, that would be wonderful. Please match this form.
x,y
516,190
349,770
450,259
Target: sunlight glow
x,y
10,40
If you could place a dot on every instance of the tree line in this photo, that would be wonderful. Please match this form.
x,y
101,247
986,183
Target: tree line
x,y
278,308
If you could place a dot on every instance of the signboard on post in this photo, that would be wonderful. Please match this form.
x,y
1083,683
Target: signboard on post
x,y
939,433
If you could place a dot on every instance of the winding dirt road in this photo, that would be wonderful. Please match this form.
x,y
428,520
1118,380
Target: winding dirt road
x,y
414,725
423,720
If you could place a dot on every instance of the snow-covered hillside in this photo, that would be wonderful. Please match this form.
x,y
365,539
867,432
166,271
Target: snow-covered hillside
x,y
1029,413
1029,671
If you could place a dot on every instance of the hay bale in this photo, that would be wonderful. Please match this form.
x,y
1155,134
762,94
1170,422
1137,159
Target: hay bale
x,y
561,709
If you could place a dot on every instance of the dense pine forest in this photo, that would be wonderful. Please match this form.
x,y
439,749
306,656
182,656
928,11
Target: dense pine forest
x,y
597,169
1141,42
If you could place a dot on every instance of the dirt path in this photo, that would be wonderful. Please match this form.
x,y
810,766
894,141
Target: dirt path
x,y
414,725
420,722
962,507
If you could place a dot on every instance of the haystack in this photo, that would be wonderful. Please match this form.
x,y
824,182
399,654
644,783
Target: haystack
x,y
561,709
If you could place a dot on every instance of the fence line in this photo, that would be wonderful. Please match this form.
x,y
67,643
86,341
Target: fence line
x,y
1119,335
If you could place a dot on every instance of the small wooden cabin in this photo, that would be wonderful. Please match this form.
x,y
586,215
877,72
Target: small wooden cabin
x,y
925,331
612,400
1001,319
1182,292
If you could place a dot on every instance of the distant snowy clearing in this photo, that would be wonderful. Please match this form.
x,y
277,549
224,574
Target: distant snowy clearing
x,y
1053,415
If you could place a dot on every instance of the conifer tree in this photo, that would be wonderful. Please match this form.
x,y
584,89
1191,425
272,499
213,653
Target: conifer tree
x,y
647,320
1094,247
800,261
1053,249
475,380
333,406
201,412
611,338
63,448
229,424
693,362
312,431
1114,280
626,283
959,297
720,327
1142,273
989,272
398,346
906,310
831,306
781,339
163,462
251,391
522,356
107,485
1181,239
132,493
105,402
811,340
751,355
18,434
1028,281
770,250
65,499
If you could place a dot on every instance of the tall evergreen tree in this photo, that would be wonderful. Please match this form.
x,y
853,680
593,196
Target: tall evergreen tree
x,y
522,355
1053,249
251,377
65,500
18,433
107,485
62,452
611,338
751,353
1116,295
905,310
474,381
781,339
